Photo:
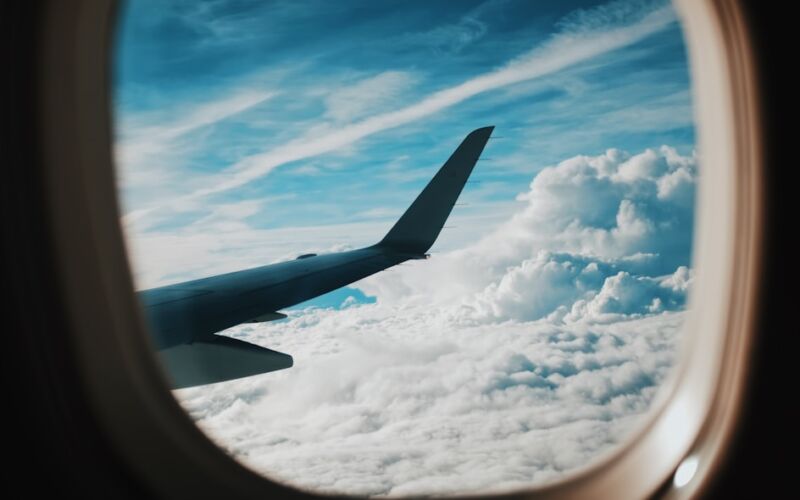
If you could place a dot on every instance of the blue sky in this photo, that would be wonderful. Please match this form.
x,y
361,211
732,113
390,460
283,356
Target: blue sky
x,y
207,89
535,337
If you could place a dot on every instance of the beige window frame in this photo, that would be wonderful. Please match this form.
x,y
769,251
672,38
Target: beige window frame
x,y
693,418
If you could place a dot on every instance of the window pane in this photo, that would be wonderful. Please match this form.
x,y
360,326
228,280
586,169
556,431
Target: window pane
x,y
533,339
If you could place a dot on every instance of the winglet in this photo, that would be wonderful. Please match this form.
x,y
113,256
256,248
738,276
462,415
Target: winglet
x,y
417,230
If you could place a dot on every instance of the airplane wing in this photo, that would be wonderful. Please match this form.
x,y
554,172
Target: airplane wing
x,y
185,317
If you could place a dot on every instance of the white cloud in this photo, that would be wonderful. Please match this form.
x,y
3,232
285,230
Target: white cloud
x,y
504,364
150,143
579,212
230,239
509,362
152,171
574,45
535,288
367,95
228,242
449,38
645,166
625,295
388,402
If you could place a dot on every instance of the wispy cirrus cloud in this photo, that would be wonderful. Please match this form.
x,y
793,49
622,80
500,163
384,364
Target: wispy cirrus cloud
x,y
152,147
451,38
569,47
146,138
358,99
561,51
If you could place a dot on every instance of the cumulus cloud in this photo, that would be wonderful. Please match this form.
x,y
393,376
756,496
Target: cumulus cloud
x,y
585,219
381,402
503,364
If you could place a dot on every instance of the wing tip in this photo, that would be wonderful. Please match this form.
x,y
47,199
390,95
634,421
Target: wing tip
x,y
419,226
482,131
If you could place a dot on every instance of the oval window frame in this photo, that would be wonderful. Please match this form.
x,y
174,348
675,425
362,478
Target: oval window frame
x,y
695,416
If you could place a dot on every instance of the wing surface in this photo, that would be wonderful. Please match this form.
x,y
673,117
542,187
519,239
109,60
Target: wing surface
x,y
185,317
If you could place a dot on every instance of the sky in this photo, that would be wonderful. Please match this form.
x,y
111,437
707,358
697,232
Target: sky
x,y
535,337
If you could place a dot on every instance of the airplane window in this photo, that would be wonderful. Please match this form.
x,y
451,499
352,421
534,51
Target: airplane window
x,y
409,248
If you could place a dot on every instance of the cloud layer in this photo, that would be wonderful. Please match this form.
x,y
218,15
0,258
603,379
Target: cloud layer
x,y
596,237
504,364
382,403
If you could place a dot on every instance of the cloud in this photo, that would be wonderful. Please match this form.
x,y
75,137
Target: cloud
x,y
624,295
152,149
147,139
537,287
506,363
229,242
561,51
366,95
380,403
160,163
531,350
231,238
584,220
448,38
